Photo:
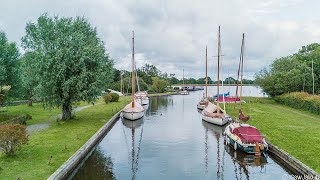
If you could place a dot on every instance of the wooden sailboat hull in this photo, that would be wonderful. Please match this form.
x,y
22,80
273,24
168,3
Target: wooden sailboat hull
x,y
133,115
200,106
215,120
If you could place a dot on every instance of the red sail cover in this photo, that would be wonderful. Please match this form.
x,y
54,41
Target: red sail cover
x,y
228,99
248,134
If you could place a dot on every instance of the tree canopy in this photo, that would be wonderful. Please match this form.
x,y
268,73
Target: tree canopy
x,y
292,73
72,64
9,64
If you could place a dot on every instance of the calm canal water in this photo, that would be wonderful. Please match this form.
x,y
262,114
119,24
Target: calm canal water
x,y
172,142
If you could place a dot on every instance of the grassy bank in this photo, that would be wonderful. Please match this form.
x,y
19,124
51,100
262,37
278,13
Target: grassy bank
x,y
295,131
60,140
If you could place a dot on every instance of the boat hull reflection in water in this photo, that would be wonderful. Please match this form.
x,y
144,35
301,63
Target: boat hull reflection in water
x,y
172,142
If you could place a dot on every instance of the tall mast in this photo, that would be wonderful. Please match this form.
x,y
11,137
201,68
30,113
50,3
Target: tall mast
x,y
182,78
206,71
218,67
242,52
132,69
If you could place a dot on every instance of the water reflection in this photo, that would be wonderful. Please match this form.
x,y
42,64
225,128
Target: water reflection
x,y
217,133
135,154
157,103
172,142
98,166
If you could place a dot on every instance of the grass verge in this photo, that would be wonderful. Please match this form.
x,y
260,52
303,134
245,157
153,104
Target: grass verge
x,y
295,131
61,140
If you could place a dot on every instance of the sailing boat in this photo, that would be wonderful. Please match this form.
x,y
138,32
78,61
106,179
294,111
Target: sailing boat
x,y
244,136
133,110
183,89
141,96
204,101
214,113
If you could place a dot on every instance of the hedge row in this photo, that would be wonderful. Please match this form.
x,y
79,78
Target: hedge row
x,y
300,100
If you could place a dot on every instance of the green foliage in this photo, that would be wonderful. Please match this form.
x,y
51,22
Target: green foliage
x,y
107,98
287,74
115,97
292,73
9,64
3,91
72,64
12,137
159,85
14,119
300,100
30,79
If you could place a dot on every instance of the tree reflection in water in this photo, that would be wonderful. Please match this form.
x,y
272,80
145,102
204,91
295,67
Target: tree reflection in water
x,y
157,103
96,167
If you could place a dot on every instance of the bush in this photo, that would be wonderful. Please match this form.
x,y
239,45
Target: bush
x,y
107,98
115,97
12,136
14,119
300,100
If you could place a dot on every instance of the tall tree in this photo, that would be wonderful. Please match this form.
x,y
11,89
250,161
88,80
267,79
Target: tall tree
x,y
9,63
29,76
72,62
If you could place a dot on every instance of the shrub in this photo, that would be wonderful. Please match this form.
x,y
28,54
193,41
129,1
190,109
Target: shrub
x,y
115,97
15,119
300,100
107,98
12,136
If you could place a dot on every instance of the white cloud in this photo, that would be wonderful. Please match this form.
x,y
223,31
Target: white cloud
x,y
172,34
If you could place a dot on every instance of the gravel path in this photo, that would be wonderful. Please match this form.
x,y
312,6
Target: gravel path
x,y
38,127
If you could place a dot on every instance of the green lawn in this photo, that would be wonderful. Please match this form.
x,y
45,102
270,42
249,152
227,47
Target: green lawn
x,y
61,140
297,132
38,113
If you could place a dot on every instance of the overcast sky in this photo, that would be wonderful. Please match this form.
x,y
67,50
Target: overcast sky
x,y
172,34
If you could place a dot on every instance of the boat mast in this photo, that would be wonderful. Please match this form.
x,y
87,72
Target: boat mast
x,y
241,82
182,78
132,80
206,71
218,83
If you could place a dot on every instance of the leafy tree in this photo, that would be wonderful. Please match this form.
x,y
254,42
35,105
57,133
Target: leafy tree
x,y
72,63
159,85
287,74
9,64
29,75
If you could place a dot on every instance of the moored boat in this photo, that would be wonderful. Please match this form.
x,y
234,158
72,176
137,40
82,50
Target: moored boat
x,y
245,137
215,115
229,99
204,101
133,113
133,110
142,97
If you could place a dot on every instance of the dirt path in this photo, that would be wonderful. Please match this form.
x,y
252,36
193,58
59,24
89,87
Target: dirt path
x,y
38,127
